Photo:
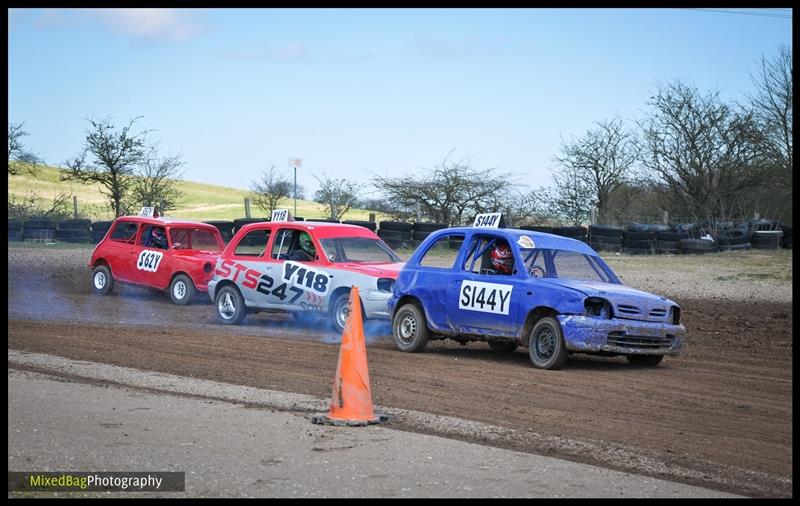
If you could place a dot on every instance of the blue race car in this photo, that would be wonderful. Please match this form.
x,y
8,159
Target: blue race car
x,y
515,287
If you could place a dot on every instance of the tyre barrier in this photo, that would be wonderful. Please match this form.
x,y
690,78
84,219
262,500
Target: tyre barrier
x,y
638,235
578,233
668,247
427,227
99,229
396,238
324,220
697,246
14,230
787,236
419,236
252,239
605,231
225,229
76,231
610,244
299,218
366,224
766,239
537,228
395,226
38,229
647,227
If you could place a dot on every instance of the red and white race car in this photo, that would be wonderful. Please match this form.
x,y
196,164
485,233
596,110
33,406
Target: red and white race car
x,y
162,253
303,267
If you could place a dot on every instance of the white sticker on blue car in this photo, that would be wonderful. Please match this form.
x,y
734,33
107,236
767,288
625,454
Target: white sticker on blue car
x,y
485,297
149,260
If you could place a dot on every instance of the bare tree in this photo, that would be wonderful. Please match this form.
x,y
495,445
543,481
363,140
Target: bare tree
x,y
270,189
706,152
604,157
571,198
110,158
156,182
336,195
31,205
772,105
23,160
452,194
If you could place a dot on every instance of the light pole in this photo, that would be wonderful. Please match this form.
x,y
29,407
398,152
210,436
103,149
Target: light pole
x,y
295,162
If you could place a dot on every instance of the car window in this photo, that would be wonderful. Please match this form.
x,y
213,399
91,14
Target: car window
x,y
479,255
124,231
197,239
357,249
564,264
253,244
443,252
292,244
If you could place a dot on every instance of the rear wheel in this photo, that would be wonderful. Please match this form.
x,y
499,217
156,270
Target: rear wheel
x,y
181,290
546,344
230,306
410,329
648,360
102,281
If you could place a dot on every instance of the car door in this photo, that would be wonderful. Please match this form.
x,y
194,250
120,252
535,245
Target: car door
x,y
482,298
290,280
120,249
153,266
434,273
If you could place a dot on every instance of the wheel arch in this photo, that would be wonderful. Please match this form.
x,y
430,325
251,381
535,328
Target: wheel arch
x,y
534,315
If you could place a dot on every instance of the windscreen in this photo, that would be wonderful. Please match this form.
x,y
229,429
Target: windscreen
x,y
357,249
564,264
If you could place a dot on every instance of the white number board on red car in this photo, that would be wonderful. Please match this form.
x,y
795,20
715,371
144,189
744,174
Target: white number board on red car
x,y
147,211
488,220
281,215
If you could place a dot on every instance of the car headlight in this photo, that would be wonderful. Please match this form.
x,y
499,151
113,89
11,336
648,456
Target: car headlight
x,y
385,284
597,307
675,315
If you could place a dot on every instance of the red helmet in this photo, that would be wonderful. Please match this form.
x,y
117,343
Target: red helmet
x,y
502,258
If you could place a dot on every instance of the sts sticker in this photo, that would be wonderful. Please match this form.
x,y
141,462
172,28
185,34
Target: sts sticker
x,y
485,297
149,260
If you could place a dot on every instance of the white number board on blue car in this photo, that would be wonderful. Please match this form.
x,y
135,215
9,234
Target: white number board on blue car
x,y
485,297
488,220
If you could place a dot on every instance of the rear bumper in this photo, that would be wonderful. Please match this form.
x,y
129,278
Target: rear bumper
x,y
621,336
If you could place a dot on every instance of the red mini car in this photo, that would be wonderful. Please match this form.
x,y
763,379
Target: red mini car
x,y
163,253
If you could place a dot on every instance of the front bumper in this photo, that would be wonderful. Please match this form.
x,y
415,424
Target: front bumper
x,y
618,335
376,304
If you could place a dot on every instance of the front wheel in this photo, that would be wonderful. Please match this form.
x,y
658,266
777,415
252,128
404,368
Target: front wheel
x,y
410,329
230,306
181,290
648,360
340,311
546,344
102,281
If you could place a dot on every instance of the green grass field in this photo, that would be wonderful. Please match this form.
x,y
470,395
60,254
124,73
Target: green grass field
x,y
200,201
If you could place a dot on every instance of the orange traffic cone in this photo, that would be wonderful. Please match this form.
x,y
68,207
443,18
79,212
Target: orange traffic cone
x,y
351,403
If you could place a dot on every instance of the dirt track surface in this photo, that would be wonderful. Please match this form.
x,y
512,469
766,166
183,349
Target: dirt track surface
x,y
723,408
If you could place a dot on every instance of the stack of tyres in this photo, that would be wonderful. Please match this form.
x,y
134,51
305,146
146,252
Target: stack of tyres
x,y
787,236
99,229
74,231
396,234
225,229
734,239
669,241
326,220
38,229
766,239
578,233
637,242
537,228
696,246
366,224
14,230
421,231
605,238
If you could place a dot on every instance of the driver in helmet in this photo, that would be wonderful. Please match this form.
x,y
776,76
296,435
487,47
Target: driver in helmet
x,y
157,238
306,250
502,258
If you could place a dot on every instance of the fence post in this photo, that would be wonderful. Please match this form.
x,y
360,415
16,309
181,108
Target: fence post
x,y
756,216
666,218
75,207
372,217
593,216
247,207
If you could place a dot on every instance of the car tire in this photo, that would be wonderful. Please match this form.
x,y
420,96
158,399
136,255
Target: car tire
x,y
102,280
648,360
546,345
181,290
410,329
230,307
503,346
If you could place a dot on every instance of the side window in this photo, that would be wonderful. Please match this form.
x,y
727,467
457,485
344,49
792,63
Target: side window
x,y
125,231
253,244
443,252
479,254
285,241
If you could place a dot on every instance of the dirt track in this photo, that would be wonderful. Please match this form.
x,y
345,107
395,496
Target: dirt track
x,y
722,408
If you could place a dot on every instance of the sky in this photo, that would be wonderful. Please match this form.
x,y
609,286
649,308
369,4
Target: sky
x,y
360,93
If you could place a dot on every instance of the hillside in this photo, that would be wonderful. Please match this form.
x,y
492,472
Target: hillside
x,y
200,201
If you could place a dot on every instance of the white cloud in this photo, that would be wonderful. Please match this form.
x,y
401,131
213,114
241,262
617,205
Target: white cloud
x,y
149,23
